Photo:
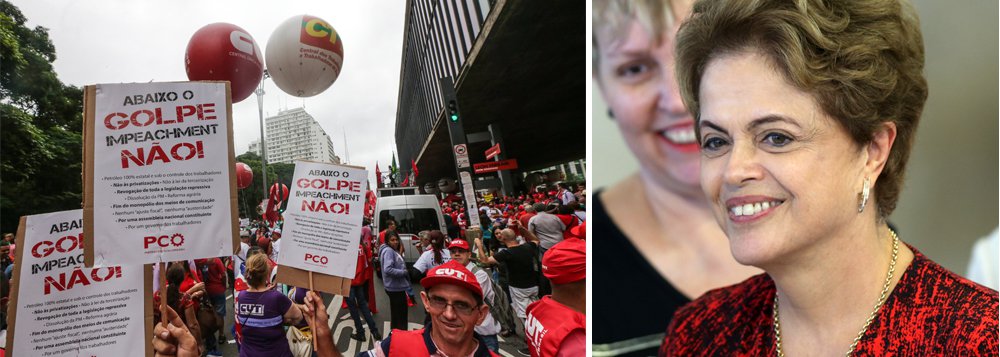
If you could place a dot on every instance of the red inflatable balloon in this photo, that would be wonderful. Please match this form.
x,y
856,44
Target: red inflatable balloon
x,y
244,175
225,52
279,192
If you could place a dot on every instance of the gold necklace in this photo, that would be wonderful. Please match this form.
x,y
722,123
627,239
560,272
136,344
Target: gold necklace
x,y
871,317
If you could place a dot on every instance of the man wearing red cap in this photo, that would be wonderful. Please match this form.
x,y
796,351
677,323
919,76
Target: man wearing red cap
x,y
489,328
454,300
556,325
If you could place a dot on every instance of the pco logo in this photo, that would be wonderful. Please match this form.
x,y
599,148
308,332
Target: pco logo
x,y
319,259
164,241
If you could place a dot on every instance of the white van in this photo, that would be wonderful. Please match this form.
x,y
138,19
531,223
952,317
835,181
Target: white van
x,y
412,213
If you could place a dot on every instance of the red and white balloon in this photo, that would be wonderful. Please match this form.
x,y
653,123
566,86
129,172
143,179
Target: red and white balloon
x,y
225,52
244,175
304,55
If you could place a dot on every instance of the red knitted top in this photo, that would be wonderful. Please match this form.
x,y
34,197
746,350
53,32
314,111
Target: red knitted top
x,y
930,312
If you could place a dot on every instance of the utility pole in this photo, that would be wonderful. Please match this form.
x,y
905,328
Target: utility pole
x,y
459,148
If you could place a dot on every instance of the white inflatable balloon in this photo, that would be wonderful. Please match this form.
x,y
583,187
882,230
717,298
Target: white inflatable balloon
x,y
304,56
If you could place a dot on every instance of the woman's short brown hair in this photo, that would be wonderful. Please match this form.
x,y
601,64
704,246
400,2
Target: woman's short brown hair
x,y
862,61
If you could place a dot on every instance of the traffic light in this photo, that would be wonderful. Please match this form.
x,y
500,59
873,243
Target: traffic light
x,y
453,110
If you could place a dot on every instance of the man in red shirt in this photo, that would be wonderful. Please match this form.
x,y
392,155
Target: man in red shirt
x,y
358,298
529,211
556,324
390,225
215,287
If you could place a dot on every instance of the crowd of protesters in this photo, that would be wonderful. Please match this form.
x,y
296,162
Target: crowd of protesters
x,y
525,263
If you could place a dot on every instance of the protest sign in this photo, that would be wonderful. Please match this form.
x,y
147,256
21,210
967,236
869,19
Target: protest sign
x,y
60,308
159,172
323,224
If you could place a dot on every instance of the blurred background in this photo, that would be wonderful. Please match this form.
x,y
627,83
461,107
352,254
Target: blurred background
x,y
950,195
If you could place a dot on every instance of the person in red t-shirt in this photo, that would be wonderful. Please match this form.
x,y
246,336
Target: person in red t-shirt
x,y
556,324
390,225
529,211
358,298
215,287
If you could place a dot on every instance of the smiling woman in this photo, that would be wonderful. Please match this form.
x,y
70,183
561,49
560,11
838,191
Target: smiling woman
x,y
806,113
656,244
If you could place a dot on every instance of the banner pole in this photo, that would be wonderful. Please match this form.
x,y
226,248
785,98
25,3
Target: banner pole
x,y
163,293
314,313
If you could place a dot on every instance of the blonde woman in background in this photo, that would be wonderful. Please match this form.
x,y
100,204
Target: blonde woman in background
x,y
656,243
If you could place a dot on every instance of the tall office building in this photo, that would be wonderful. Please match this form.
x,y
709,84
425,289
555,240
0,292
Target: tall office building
x,y
516,68
294,135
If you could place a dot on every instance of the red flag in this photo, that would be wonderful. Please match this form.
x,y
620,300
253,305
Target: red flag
x,y
406,181
378,176
415,171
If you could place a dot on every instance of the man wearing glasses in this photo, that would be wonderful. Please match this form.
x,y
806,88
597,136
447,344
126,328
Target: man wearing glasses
x,y
452,296
454,300
489,327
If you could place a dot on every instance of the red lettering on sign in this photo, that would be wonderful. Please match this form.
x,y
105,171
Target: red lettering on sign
x,y
146,117
77,276
179,152
321,206
164,241
317,258
331,185
63,245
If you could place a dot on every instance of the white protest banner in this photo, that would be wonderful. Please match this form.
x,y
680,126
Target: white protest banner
x,y
323,219
61,308
159,172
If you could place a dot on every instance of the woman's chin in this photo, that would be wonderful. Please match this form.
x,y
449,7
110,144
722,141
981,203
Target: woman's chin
x,y
751,250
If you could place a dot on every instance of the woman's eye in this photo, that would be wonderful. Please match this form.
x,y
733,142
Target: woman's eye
x,y
777,139
712,143
632,70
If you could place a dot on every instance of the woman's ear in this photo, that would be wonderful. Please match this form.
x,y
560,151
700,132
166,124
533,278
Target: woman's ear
x,y
879,148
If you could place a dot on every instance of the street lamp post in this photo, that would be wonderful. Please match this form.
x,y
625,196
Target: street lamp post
x,y
263,143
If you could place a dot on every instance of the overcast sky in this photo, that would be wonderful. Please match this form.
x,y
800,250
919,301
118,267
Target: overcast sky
x,y
113,41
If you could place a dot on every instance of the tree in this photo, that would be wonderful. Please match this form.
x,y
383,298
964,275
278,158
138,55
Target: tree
x,y
248,198
41,121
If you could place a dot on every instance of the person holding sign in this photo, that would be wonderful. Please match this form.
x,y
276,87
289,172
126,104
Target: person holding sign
x,y
454,300
261,313
174,338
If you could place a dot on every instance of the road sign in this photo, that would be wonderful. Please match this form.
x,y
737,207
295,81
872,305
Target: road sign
x,y
493,166
462,156
493,151
470,198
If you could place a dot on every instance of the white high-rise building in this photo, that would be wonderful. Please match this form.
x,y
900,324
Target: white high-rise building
x,y
294,135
